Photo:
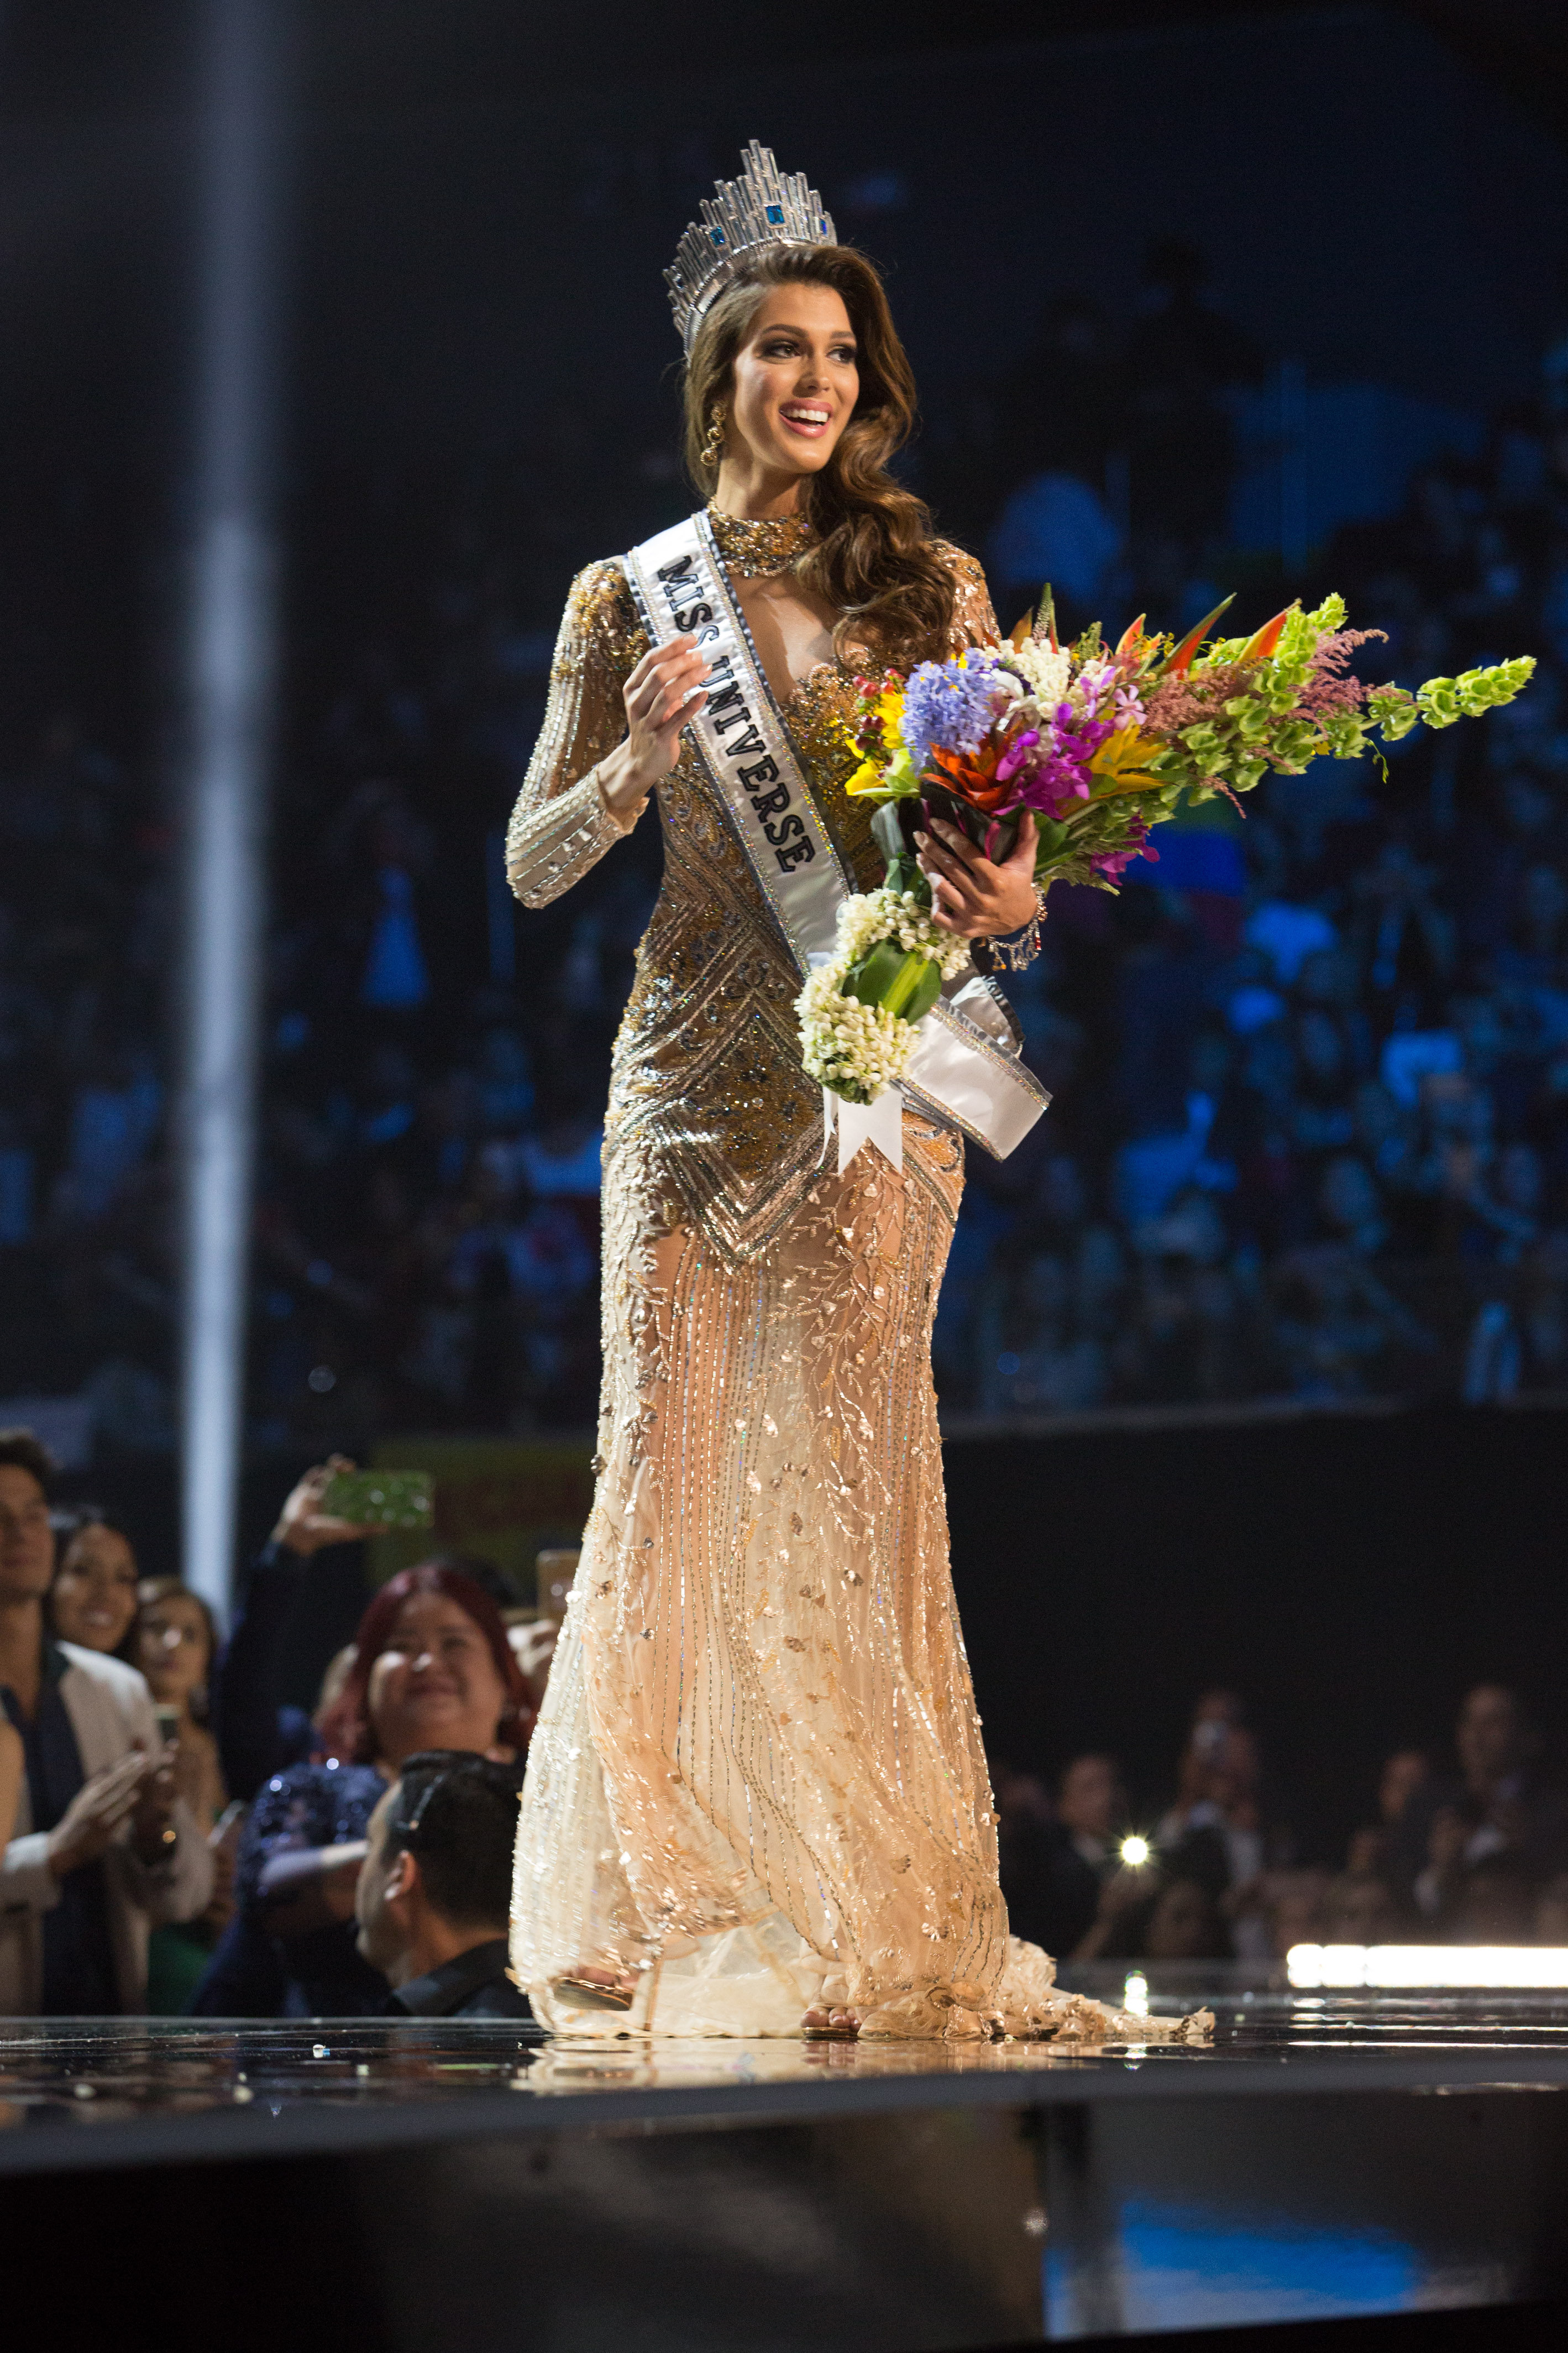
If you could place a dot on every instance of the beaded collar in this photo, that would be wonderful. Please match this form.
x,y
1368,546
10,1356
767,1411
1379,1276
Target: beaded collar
x,y
755,545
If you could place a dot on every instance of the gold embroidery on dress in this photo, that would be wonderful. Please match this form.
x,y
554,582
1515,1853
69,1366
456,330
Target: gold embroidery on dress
x,y
758,1768
706,1065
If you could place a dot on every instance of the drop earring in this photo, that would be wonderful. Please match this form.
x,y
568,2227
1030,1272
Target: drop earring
x,y
713,448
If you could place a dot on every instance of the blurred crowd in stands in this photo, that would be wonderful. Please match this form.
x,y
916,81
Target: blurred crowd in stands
x,y
1310,1136
1468,1851
179,1839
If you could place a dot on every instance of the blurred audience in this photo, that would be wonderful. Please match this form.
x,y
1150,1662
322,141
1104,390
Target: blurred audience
x,y
1310,1136
175,1647
1371,1853
1055,1859
432,1667
1221,1831
1479,1845
102,1845
1358,1909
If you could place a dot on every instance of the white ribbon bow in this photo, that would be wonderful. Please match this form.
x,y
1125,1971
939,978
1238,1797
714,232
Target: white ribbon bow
x,y
880,1122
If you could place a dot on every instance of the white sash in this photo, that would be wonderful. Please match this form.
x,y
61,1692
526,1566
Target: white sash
x,y
958,1073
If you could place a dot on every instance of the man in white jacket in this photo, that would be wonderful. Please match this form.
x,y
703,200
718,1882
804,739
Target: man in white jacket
x,y
102,1848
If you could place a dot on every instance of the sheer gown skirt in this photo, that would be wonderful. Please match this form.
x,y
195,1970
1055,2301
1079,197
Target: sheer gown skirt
x,y
757,1779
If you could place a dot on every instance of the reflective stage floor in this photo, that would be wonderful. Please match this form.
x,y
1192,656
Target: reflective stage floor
x,y
421,2184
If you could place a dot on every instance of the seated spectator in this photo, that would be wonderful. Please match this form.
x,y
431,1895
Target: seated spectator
x,y
1184,1925
174,1645
1025,1834
1091,1808
1218,1832
1495,1904
1053,1862
1214,1713
432,1667
1359,1910
435,1888
1551,1913
1148,1915
1498,1805
102,1845
1289,1908
1371,1849
92,1599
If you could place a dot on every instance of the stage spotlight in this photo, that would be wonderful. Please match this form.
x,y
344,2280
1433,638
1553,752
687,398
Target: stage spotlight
x,y
1135,1852
1430,1967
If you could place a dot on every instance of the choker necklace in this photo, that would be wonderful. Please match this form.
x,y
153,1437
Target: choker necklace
x,y
755,545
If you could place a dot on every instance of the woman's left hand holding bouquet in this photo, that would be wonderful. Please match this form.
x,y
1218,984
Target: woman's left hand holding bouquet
x,y
970,896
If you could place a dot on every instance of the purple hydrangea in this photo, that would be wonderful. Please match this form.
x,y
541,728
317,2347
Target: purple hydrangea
x,y
950,704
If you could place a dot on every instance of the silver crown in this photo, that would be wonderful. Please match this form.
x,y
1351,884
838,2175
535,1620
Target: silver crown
x,y
761,208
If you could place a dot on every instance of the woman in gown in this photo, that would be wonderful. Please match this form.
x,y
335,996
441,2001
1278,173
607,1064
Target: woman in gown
x,y
756,1798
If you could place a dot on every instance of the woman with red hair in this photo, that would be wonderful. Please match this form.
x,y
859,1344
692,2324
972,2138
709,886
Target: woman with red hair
x,y
432,1669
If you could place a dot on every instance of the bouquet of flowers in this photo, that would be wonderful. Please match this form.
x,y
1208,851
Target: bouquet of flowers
x,y
1101,743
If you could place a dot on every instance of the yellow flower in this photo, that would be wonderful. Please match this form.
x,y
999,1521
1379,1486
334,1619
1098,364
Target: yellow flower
x,y
897,777
868,778
1122,757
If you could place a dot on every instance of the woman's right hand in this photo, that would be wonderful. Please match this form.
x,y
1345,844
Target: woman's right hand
x,y
661,694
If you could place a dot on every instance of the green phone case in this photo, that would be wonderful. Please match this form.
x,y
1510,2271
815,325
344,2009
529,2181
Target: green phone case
x,y
381,1499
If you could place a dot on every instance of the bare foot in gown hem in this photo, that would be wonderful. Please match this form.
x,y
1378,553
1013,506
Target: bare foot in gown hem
x,y
594,1987
822,2024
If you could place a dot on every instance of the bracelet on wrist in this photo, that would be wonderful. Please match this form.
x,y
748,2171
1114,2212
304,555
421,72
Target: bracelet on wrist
x,y
1014,952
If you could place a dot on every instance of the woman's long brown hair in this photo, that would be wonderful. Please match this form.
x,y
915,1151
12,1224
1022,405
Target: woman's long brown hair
x,y
874,560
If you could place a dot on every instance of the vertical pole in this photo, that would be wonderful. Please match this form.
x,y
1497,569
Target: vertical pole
x,y
229,661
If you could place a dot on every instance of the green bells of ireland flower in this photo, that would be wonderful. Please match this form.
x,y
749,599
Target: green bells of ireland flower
x,y
900,980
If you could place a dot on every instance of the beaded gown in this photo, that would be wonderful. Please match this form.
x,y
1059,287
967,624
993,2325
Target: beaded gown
x,y
757,1779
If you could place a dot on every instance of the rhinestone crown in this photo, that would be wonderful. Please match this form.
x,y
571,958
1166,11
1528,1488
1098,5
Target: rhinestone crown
x,y
761,208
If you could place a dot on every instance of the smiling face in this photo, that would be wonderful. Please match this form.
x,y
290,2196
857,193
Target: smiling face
x,y
796,384
94,1600
436,1685
172,1647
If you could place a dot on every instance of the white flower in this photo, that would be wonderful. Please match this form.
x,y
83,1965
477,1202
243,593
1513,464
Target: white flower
x,y
1049,669
858,1049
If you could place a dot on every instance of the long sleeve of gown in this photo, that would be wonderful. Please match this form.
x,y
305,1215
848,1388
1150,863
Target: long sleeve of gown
x,y
974,620
561,826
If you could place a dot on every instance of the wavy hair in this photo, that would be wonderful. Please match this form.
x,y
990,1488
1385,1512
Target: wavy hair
x,y
874,559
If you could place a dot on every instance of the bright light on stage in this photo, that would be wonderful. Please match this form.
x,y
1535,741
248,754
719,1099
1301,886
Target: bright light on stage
x,y
1428,1966
1135,1852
